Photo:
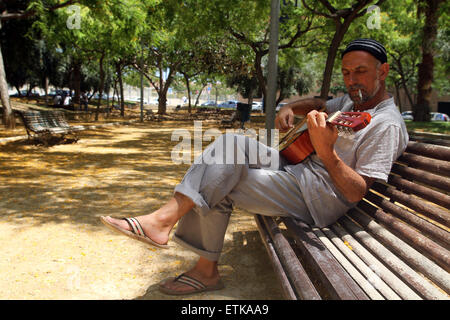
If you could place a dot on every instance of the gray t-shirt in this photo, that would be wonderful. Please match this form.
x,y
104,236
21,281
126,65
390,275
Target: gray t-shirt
x,y
370,153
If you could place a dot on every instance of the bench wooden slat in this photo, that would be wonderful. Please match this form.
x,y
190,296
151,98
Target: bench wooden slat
x,y
410,256
294,269
430,179
427,228
422,191
417,204
276,263
413,237
337,248
384,274
337,282
429,150
435,166
361,265
407,274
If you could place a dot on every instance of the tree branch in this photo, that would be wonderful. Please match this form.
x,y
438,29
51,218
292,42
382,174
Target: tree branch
x,y
297,35
244,39
328,5
323,14
29,13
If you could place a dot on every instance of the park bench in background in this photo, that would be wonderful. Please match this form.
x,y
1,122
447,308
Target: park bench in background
x,y
393,245
43,126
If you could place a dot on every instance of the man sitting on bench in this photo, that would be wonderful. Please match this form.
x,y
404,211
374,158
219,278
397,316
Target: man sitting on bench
x,y
318,190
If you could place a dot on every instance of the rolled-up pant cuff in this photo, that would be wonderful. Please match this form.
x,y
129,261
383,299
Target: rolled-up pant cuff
x,y
212,256
200,204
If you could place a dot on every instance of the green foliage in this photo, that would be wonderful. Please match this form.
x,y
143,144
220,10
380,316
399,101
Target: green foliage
x,y
207,40
442,57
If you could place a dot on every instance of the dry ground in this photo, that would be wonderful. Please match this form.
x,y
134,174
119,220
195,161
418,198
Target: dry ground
x,y
53,245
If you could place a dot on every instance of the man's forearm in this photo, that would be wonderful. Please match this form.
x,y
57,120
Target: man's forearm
x,y
351,185
303,106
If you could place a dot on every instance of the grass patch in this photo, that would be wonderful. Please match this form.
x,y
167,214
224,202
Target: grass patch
x,y
433,126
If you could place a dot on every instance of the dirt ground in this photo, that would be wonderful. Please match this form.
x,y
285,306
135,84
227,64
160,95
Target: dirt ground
x,y
54,246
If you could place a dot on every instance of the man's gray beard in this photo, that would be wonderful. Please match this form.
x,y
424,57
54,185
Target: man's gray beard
x,y
364,98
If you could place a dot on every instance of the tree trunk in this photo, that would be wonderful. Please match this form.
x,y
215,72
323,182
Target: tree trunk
x,y
399,99
8,115
164,87
341,29
102,83
162,106
18,89
188,87
403,80
408,94
217,95
107,104
260,77
77,82
250,97
121,99
114,93
162,103
421,110
46,83
199,94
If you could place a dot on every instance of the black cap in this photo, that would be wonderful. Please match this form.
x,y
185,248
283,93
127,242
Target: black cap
x,y
371,46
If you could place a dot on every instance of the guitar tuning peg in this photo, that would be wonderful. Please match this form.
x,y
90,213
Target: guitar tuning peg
x,y
342,132
345,132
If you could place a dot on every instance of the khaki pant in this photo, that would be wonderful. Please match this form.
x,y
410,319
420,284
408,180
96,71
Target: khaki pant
x,y
216,185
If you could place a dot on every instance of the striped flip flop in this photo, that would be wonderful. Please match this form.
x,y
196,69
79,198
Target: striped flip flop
x,y
196,285
136,231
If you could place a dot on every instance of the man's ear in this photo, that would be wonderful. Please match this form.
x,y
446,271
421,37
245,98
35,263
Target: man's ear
x,y
383,71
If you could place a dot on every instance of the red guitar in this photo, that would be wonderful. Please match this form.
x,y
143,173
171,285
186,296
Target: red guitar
x,y
296,145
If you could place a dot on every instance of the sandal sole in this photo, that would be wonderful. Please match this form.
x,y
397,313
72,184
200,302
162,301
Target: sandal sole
x,y
132,235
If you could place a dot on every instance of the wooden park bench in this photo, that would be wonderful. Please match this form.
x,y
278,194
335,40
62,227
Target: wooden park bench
x,y
44,125
393,245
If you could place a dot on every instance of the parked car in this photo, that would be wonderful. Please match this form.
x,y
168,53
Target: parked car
x,y
154,102
437,116
434,116
136,100
407,115
96,96
24,93
257,106
209,104
229,104
60,92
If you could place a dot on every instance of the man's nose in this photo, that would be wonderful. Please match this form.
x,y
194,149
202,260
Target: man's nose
x,y
352,79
